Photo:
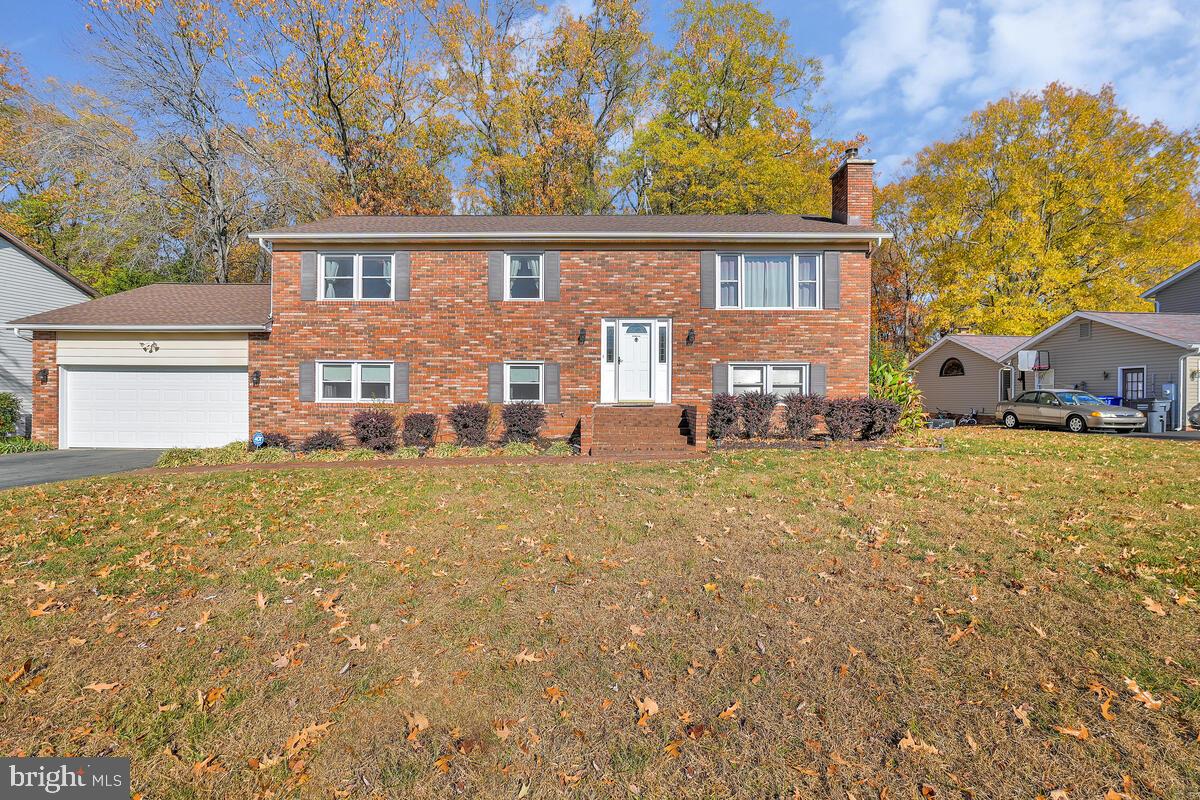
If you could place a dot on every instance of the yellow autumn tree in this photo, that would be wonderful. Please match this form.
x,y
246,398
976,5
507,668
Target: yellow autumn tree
x,y
734,134
1047,203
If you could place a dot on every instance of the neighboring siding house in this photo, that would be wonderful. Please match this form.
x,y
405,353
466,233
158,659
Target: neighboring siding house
x,y
33,284
961,372
1178,294
1130,355
622,326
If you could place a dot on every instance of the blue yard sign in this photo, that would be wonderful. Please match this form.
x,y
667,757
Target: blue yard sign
x,y
258,439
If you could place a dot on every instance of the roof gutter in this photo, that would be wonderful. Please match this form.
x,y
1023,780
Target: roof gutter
x,y
145,327
877,237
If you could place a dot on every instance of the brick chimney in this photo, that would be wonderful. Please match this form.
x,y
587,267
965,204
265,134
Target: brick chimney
x,y
853,185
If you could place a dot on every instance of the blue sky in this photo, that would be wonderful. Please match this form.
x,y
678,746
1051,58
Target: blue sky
x,y
903,72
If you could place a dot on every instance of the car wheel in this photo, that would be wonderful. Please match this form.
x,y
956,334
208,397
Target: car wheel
x,y
1011,421
1076,424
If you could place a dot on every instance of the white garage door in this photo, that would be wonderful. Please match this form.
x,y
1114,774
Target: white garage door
x,y
154,406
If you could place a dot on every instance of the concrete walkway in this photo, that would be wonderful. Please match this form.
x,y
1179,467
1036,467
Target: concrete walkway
x,y
29,469
1174,436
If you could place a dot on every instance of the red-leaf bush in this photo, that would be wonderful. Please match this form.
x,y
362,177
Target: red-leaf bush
x,y
844,417
522,421
723,416
375,429
324,439
880,418
470,423
420,429
801,412
280,440
755,410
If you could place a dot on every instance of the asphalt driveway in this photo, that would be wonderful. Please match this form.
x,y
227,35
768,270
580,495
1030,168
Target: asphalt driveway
x,y
28,469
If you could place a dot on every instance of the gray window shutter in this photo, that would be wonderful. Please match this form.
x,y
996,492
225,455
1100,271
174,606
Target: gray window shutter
x,y
708,279
550,390
308,381
816,379
832,289
495,275
402,264
550,276
495,383
720,378
399,381
308,275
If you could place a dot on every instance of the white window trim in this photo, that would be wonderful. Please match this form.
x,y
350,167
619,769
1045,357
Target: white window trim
x,y
794,282
357,278
1145,381
355,382
768,367
508,257
541,365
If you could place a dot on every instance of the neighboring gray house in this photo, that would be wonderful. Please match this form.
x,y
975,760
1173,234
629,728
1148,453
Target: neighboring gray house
x,y
1178,294
1131,355
961,372
33,284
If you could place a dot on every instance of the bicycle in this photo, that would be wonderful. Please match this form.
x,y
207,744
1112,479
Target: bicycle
x,y
970,418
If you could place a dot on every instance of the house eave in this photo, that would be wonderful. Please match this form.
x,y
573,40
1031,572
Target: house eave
x,y
632,236
204,328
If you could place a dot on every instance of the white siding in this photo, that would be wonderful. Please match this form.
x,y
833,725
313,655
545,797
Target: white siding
x,y
29,288
174,349
979,388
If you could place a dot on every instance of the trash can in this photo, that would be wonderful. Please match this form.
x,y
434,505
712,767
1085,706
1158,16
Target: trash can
x,y
1156,413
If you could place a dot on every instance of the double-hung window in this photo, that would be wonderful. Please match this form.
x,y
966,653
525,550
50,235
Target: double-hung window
x,y
351,381
769,280
356,276
779,379
523,382
523,276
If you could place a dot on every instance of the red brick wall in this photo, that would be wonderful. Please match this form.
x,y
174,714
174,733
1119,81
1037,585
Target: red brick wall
x,y
448,332
45,395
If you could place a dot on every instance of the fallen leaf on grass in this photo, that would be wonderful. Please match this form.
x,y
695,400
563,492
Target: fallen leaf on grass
x,y
1105,709
1080,733
102,687
417,723
526,657
1142,696
647,708
261,599
917,746
202,621
443,763
211,697
21,671
554,695
960,634
34,683
503,728
1153,606
672,748
1021,712
207,764
730,712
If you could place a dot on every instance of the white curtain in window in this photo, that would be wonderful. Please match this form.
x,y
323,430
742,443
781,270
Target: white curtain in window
x,y
767,281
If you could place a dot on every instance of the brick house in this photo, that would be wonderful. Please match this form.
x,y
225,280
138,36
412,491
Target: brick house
x,y
623,326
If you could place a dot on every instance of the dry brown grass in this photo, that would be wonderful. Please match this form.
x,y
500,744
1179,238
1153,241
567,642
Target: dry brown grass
x,y
816,624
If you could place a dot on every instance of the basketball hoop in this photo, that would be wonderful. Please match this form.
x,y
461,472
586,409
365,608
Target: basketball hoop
x,y
1033,360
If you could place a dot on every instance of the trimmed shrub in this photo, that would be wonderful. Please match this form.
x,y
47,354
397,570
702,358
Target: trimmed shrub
x,y
444,450
881,418
268,455
755,410
232,453
276,440
477,452
801,412
559,449
324,439
375,430
470,423
522,421
844,417
10,412
520,449
362,453
406,453
420,429
179,457
723,417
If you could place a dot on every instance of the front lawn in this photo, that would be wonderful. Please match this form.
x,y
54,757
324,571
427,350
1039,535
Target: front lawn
x,y
1010,618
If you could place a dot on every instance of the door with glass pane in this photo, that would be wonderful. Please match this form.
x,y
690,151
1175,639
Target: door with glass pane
x,y
634,361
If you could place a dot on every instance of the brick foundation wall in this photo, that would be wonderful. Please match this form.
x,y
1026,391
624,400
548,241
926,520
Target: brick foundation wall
x,y
448,332
45,395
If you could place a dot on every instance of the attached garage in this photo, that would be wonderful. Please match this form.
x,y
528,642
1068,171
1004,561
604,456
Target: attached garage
x,y
122,376
153,406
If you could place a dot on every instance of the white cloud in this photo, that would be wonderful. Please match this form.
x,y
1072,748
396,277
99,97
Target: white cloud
x,y
910,70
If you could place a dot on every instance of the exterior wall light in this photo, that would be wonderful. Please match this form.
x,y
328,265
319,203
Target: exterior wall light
x,y
43,375
582,335
255,378
691,337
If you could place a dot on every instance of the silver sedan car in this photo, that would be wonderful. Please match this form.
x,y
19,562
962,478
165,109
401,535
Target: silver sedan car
x,y
1076,411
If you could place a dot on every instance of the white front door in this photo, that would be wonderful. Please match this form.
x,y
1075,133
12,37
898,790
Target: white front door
x,y
634,362
154,406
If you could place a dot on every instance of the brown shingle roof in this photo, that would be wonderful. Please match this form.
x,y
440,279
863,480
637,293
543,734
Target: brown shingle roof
x,y
1183,328
25,248
648,225
167,305
991,346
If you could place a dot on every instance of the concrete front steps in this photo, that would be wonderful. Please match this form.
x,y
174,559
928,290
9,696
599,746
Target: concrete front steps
x,y
646,429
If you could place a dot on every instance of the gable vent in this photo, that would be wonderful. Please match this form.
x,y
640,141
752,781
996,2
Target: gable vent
x,y
1085,330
